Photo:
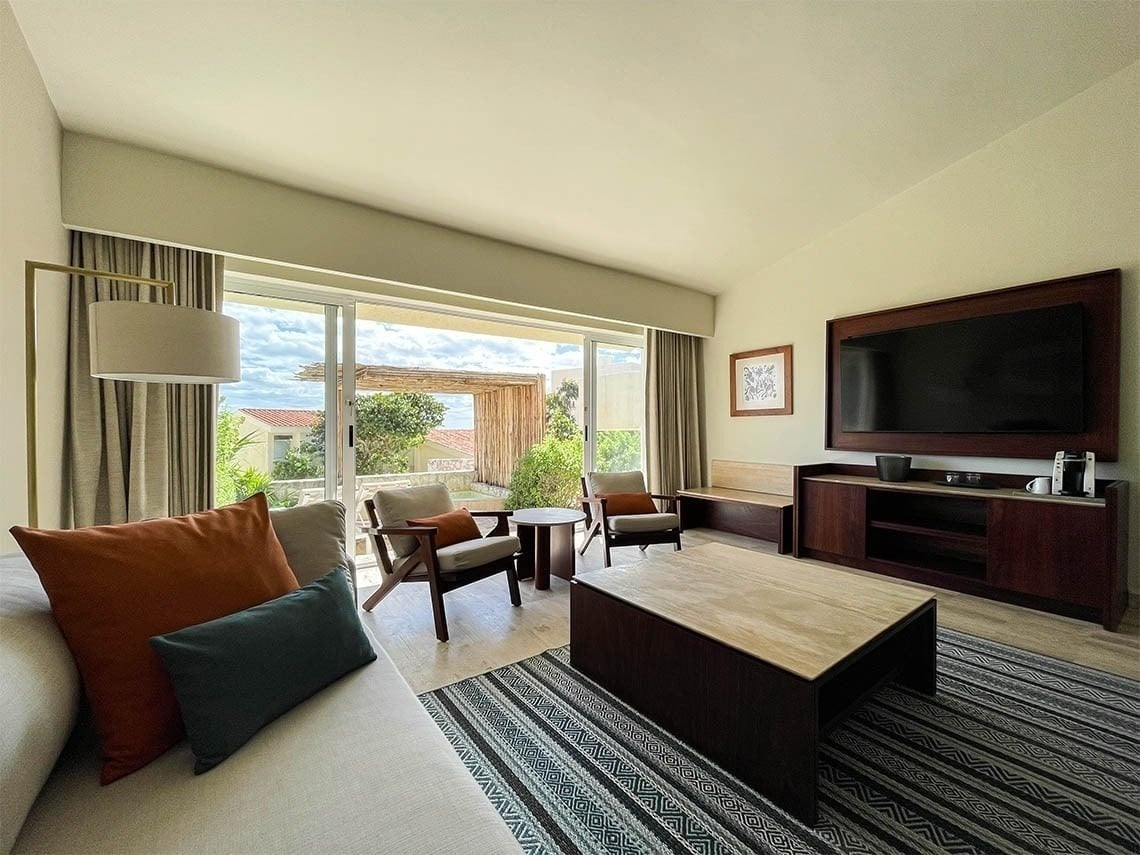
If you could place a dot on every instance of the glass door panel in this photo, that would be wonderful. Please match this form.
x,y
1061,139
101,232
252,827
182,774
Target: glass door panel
x,y
277,428
618,412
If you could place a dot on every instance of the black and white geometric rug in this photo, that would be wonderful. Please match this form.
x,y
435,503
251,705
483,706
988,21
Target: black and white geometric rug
x,y
1016,753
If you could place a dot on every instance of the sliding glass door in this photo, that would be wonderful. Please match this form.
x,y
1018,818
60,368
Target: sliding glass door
x,y
614,405
287,427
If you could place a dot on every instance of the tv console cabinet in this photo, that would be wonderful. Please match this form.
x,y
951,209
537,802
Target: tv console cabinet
x,y
1061,554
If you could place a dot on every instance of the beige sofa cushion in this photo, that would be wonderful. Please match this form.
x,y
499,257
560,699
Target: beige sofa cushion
x,y
313,537
396,507
359,767
39,692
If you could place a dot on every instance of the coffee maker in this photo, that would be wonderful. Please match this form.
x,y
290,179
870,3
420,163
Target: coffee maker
x,y
1074,473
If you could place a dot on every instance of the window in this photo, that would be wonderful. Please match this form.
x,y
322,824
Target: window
x,y
281,445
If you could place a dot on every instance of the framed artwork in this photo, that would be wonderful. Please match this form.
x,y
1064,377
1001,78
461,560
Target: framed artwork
x,y
760,382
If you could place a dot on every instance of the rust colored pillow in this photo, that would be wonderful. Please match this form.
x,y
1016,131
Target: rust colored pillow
x,y
454,527
628,504
112,587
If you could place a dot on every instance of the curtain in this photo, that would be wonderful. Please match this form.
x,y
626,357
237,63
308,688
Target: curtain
x,y
137,450
673,417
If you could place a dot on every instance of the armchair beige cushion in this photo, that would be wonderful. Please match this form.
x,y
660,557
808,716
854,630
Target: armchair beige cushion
x,y
475,553
636,523
396,507
615,482
628,482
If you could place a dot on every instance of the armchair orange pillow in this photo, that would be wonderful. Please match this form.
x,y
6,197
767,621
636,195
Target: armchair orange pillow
x,y
454,527
628,504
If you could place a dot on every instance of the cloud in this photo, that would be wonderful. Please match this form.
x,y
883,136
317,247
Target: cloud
x,y
277,342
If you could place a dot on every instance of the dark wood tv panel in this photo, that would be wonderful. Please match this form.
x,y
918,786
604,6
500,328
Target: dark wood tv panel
x,y
1061,554
1099,297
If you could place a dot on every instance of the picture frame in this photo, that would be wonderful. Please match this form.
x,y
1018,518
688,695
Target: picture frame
x,y
760,382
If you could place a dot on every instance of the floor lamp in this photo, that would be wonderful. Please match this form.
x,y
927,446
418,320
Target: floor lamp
x,y
131,340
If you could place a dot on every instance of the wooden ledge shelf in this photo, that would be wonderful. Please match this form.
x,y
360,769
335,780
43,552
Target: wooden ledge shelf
x,y
751,499
727,494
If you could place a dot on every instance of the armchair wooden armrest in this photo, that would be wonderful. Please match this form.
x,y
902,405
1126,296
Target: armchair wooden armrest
x,y
502,526
394,572
670,500
594,507
413,530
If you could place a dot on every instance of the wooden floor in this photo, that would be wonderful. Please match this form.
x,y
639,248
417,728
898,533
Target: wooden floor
x,y
486,632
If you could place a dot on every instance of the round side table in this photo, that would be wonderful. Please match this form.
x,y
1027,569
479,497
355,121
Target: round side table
x,y
547,537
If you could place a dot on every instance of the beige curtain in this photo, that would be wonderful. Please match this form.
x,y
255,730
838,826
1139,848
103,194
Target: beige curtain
x,y
137,450
673,417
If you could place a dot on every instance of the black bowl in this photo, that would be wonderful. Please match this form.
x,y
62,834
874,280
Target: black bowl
x,y
892,467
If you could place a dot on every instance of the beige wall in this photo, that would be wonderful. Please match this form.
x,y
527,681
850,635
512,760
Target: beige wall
x,y
30,228
259,453
1058,196
419,455
122,189
619,396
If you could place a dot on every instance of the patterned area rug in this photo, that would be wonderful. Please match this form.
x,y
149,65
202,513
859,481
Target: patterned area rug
x,y
1016,753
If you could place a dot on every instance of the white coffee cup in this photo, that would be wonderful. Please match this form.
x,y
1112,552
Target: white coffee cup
x,y
1042,485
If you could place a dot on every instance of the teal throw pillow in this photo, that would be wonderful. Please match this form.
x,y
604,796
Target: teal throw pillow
x,y
234,675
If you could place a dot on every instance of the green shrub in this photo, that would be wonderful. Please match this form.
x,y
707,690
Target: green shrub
x,y
298,465
548,475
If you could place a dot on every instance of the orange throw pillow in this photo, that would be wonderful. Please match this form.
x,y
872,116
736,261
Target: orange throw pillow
x,y
112,587
454,527
628,504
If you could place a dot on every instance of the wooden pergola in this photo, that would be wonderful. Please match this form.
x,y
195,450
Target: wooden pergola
x,y
510,409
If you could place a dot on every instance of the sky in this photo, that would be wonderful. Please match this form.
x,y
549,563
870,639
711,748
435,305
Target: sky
x,y
276,343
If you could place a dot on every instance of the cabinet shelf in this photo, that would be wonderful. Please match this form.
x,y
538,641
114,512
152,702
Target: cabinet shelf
x,y
940,564
966,534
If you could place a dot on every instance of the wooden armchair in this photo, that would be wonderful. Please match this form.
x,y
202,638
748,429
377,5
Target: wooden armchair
x,y
638,530
417,559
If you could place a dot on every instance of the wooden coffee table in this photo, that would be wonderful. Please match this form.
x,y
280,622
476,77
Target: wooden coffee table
x,y
547,538
749,657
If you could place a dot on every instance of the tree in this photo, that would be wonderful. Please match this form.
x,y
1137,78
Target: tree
x,y
387,425
547,475
560,406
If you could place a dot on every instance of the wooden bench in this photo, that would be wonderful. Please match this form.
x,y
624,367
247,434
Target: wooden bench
x,y
752,499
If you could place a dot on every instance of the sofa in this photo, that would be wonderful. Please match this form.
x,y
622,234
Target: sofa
x,y
358,767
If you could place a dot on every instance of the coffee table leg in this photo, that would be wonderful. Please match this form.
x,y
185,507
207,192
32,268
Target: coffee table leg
x,y
541,557
920,671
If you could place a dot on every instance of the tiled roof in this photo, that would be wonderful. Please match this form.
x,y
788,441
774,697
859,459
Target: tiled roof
x,y
283,418
460,439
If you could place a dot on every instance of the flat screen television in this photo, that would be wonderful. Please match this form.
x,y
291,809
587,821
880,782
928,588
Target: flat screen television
x,y
1015,372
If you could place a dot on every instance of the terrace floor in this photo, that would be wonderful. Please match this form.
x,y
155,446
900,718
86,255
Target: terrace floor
x,y
487,633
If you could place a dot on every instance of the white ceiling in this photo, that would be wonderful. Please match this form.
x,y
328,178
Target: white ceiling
x,y
692,141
